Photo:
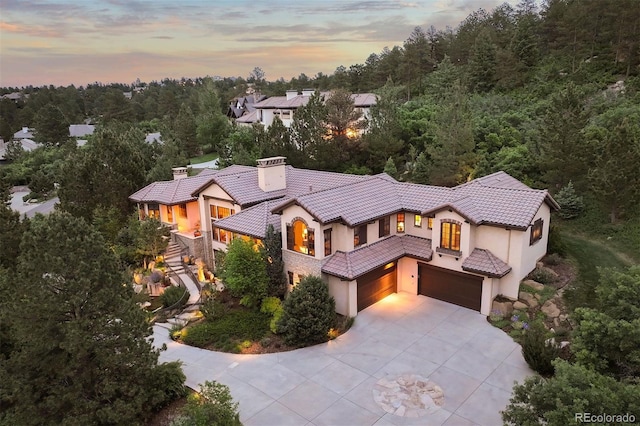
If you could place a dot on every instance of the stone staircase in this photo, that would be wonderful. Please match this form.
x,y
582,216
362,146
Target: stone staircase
x,y
173,259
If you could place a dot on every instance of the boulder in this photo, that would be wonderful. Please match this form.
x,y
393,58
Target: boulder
x,y
519,305
550,309
528,298
539,265
534,285
550,271
505,308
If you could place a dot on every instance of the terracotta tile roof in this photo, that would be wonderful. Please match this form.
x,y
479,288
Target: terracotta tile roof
x,y
242,184
172,191
484,262
252,221
358,262
377,196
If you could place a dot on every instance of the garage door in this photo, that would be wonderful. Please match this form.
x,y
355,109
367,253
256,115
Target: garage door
x,y
376,285
450,286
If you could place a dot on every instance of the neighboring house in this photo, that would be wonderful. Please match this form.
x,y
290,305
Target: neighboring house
x,y
153,137
243,106
15,96
25,144
80,131
24,133
284,107
369,236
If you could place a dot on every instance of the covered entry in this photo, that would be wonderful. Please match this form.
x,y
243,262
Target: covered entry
x,y
450,286
376,285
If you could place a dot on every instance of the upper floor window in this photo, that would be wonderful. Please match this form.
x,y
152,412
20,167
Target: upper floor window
x,y
417,221
219,212
327,242
400,225
384,226
450,235
536,231
170,214
360,235
300,238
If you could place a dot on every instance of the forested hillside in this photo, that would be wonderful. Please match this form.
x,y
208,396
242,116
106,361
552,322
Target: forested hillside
x,y
549,95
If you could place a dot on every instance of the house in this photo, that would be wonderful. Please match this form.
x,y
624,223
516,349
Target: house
x,y
25,144
284,107
80,131
242,107
369,236
24,133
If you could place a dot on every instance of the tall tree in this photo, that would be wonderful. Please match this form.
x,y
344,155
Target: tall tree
x,y
82,353
309,130
452,153
51,126
272,254
112,166
11,227
482,64
614,137
563,151
212,125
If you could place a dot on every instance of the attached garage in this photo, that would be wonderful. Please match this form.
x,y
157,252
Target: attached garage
x,y
376,285
450,286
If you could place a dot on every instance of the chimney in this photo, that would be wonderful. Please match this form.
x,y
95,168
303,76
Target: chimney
x,y
308,92
271,174
291,94
179,173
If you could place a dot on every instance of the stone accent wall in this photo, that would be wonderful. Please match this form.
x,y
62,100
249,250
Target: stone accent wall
x,y
301,264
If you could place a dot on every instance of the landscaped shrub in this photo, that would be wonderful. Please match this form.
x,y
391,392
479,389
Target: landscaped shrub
x,y
273,307
223,332
212,406
167,384
212,308
172,295
538,351
542,276
309,313
245,273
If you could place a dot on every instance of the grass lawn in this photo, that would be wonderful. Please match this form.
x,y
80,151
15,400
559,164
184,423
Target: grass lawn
x,y
589,255
203,158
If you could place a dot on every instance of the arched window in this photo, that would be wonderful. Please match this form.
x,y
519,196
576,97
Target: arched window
x,y
300,238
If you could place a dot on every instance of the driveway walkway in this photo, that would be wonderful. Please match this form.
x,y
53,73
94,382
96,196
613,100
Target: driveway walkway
x,y
455,348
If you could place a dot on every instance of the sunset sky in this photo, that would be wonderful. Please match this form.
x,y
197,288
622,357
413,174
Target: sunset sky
x,y
63,42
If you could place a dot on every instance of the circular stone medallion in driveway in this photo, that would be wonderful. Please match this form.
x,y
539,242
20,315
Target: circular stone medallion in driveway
x,y
408,395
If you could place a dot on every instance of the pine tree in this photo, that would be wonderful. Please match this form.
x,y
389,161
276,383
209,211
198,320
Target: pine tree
x,y
390,168
272,254
82,354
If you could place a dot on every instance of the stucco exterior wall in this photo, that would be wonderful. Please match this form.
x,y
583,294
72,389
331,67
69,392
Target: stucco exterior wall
x,y
339,290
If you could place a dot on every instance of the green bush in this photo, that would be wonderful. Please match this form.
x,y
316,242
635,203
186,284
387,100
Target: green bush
x,y
173,295
537,351
542,276
166,384
273,307
309,313
212,406
223,332
212,308
245,273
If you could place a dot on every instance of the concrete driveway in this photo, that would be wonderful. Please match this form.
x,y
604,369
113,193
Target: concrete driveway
x,y
474,365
